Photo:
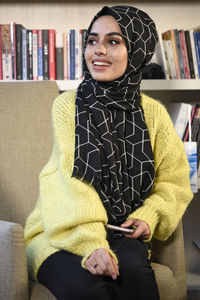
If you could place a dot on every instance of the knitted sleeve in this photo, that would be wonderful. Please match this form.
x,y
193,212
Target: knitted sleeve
x,y
171,193
73,215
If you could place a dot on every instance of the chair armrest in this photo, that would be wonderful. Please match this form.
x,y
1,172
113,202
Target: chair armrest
x,y
171,253
13,266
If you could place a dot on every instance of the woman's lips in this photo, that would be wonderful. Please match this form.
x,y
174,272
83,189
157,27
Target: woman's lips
x,y
100,64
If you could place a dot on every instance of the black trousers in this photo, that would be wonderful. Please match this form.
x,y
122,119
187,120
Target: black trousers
x,y
63,275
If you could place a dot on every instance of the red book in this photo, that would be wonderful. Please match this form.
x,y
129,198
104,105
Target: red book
x,y
1,73
184,54
52,55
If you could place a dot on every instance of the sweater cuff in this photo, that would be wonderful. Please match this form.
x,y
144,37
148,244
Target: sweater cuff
x,y
90,253
147,215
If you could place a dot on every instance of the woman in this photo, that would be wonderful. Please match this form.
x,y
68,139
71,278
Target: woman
x,y
117,160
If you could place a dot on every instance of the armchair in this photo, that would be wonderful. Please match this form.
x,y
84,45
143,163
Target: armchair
x,y
25,129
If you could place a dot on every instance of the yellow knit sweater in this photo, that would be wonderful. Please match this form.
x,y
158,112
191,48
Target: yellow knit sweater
x,y
69,214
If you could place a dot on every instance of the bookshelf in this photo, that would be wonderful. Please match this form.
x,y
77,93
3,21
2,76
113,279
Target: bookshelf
x,y
63,15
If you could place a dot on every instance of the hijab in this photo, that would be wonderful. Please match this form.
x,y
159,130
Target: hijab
x,y
112,146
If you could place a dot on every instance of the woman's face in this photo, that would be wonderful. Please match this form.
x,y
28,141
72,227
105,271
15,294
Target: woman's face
x,y
106,53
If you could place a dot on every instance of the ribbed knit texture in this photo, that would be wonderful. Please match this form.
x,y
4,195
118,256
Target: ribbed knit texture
x,y
69,214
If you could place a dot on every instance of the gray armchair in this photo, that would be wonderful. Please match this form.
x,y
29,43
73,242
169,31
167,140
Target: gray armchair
x,y
25,145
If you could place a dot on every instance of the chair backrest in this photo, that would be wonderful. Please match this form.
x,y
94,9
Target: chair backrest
x,y
25,144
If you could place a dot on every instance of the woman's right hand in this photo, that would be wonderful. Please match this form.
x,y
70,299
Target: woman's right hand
x,y
101,262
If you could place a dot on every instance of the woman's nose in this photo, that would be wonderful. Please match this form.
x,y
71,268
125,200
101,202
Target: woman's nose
x,y
100,49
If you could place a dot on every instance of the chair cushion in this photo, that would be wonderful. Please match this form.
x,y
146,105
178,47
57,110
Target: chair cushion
x,y
40,292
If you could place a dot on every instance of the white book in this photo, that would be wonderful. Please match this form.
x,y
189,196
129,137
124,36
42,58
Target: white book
x,y
159,56
169,50
179,113
191,32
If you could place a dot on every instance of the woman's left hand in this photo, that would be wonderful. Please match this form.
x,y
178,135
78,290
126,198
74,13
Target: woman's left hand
x,y
142,229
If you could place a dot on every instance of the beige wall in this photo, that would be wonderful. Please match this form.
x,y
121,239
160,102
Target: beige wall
x,y
62,16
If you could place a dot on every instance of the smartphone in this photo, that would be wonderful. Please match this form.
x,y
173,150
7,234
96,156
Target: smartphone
x,y
120,229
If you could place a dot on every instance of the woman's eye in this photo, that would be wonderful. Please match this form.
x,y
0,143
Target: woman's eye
x,y
114,42
91,42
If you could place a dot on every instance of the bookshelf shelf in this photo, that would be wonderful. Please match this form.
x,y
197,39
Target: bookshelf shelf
x,y
176,90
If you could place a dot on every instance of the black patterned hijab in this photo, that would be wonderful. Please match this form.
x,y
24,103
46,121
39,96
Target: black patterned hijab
x,y
112,146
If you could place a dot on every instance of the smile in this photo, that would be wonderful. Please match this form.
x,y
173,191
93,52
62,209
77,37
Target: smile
x,y
100,63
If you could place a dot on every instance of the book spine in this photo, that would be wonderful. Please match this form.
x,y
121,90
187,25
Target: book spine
x,y
65,56
189,54
72,54
59,57
198,49
184,54
46,53
13,49
18,28
6,52
40,55
30,50
77,65
35,54
68,56
84,31
1,72
175,52
180,58
194,53
27,54
24,54
52,55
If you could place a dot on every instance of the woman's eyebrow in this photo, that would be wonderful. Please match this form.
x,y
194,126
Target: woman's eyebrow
x,y
108,34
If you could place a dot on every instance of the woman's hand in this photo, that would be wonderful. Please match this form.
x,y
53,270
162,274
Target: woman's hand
x,y
102,263
142,229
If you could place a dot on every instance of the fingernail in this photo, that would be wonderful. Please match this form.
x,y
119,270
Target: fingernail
x,y
114,277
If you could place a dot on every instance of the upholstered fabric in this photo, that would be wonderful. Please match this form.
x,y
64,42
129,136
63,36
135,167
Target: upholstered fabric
x,y
24,130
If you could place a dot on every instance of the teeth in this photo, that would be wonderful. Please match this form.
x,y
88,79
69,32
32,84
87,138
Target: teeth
x,y
99,63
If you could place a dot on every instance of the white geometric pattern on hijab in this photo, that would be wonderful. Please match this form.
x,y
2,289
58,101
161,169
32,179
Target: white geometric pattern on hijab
x,y
113,150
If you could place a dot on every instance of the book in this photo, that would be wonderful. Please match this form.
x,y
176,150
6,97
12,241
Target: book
x,y
40,55
35,54
59,57
170,58
180,58
65,56
13,49
18,29
184,54
191,32
1,72
30,55
52,55
6,52
77,49
46,53
179,113
159,56
189,54
197,48
24,54
72,54
170,35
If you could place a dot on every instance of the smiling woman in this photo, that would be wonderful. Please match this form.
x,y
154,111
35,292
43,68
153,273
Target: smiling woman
x,y
106,53
117,159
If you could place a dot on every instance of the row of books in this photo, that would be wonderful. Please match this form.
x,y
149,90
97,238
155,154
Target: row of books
x,y
44,54
186,120
40,54
178,52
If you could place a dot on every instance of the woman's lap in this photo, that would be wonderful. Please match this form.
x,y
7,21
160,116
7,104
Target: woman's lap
x,y
63,275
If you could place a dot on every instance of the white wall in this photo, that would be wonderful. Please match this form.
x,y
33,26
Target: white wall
x,y
63,16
